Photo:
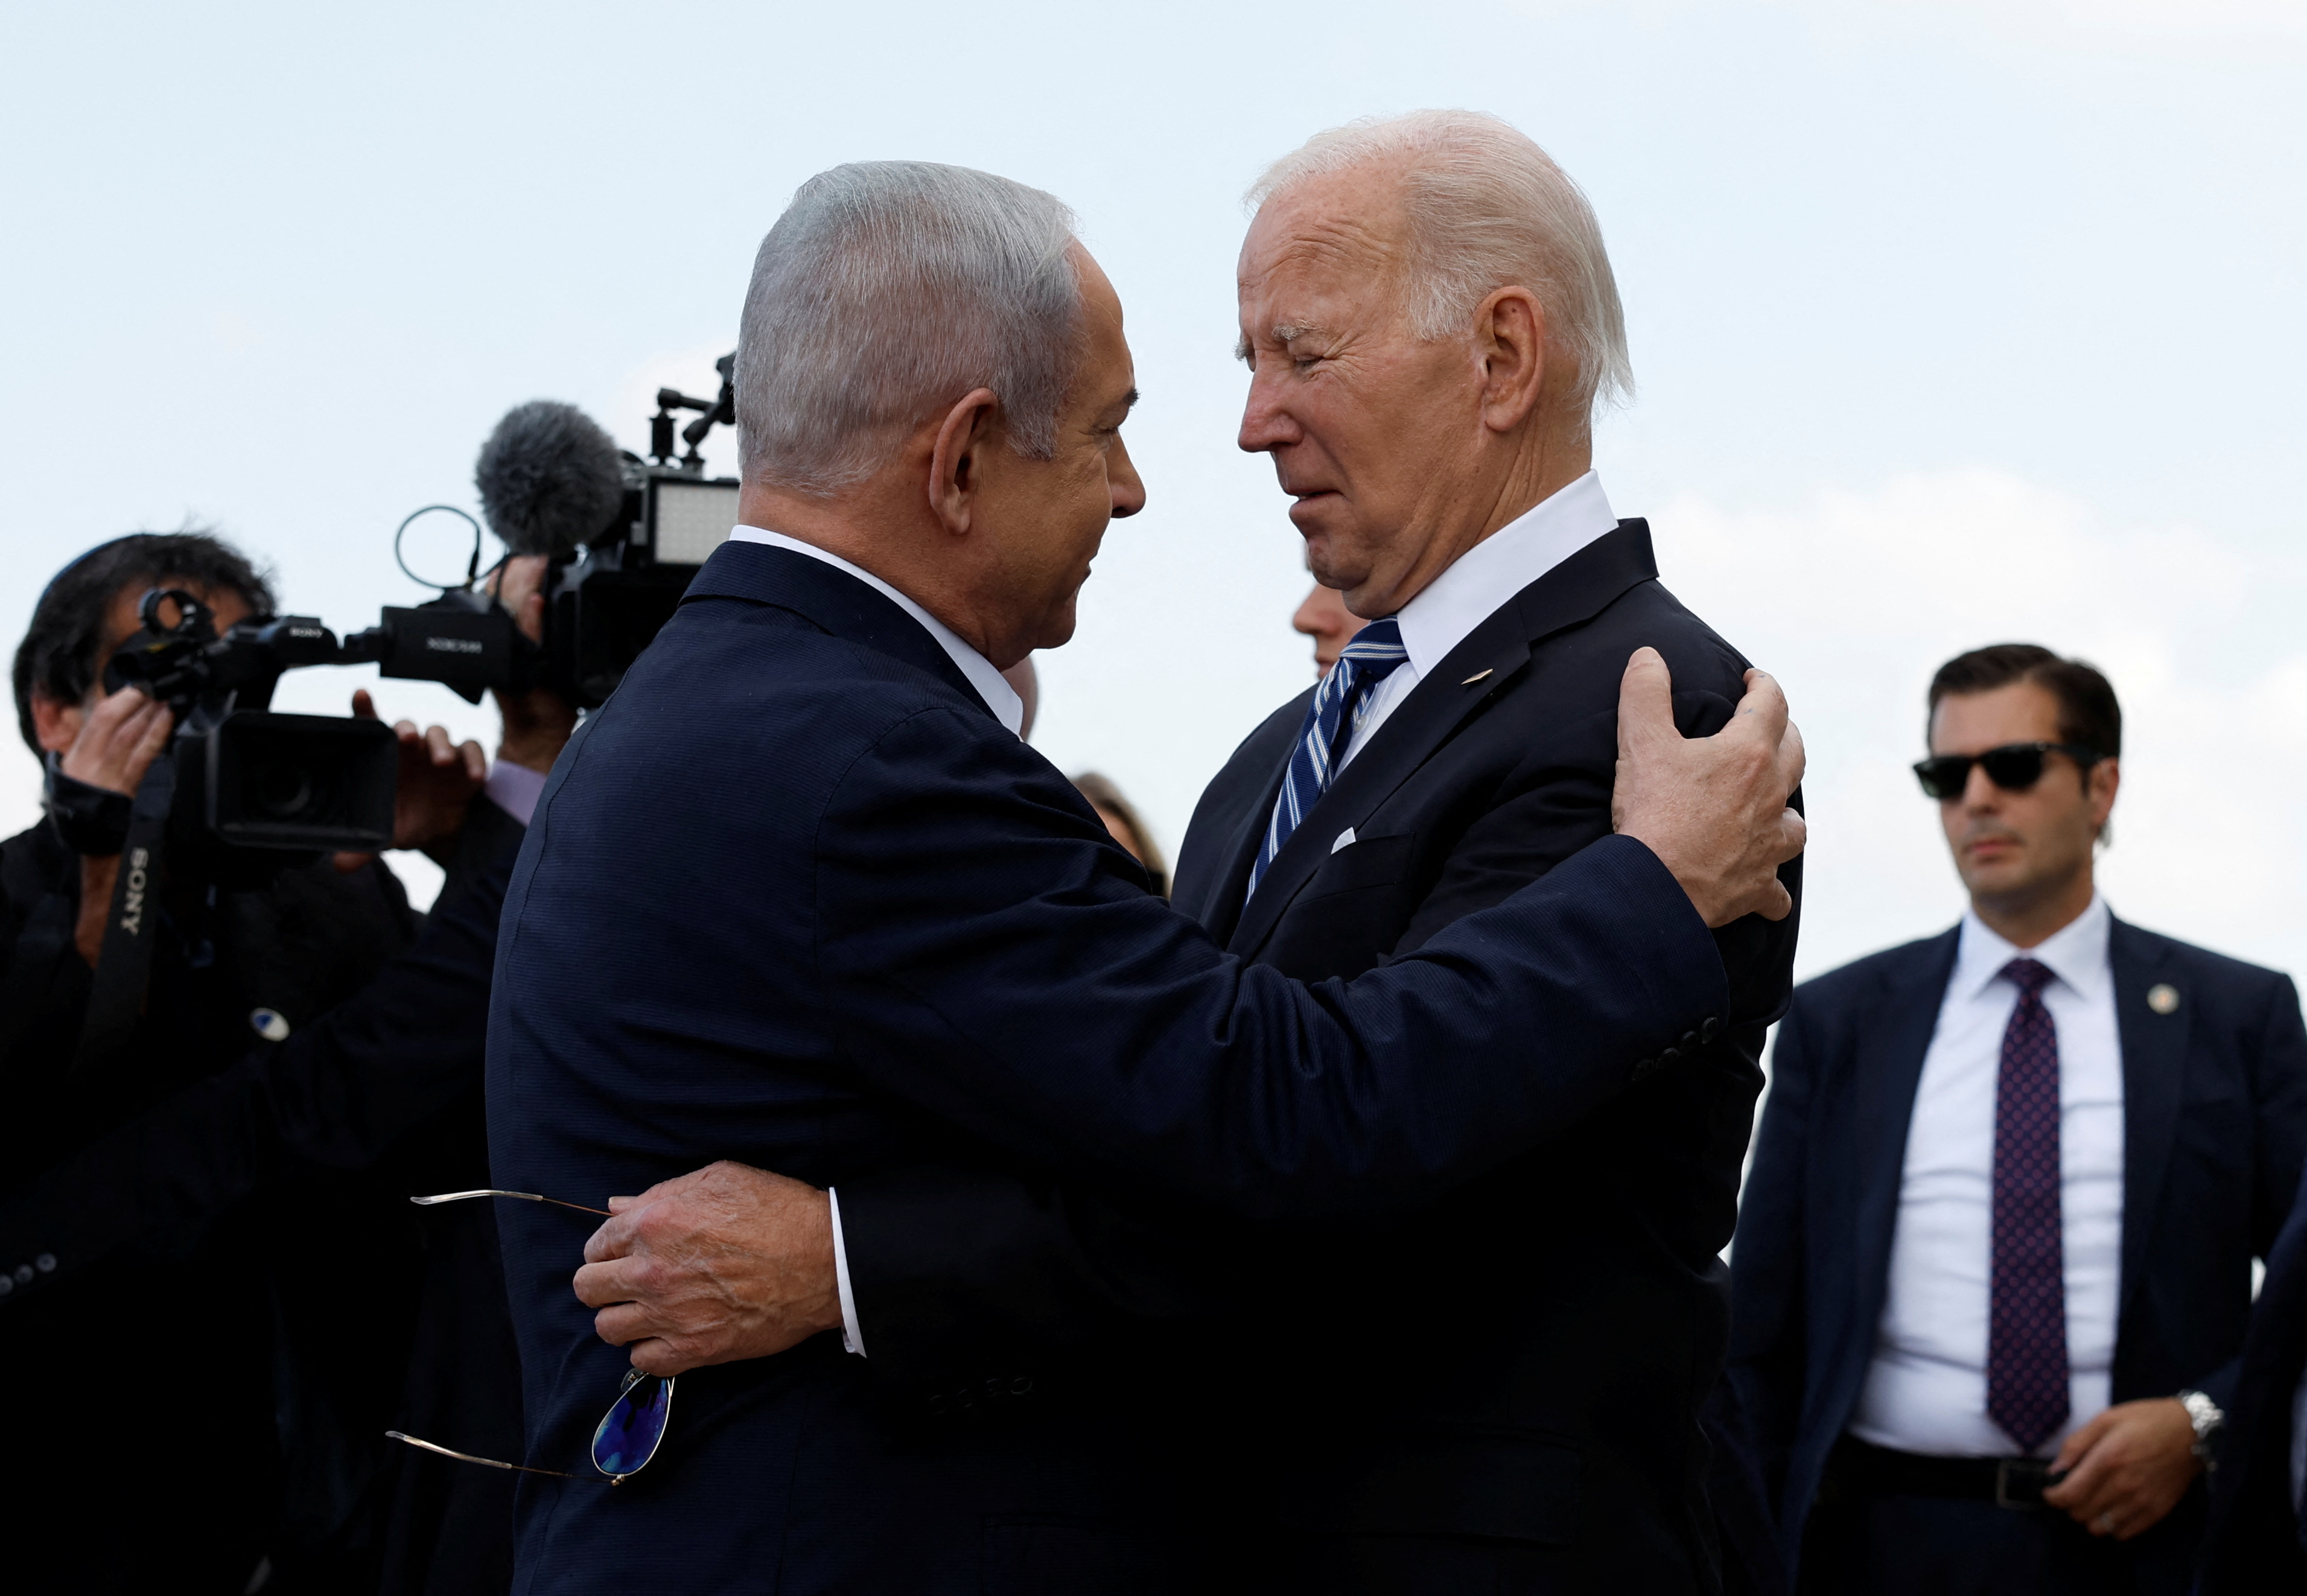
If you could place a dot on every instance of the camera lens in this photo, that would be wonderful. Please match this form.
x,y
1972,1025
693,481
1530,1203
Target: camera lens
x,y
279,789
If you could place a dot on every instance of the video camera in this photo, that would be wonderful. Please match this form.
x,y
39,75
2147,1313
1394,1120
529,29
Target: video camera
x,y
623,538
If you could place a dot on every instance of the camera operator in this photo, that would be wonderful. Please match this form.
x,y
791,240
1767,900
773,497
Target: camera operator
x,y
194,1230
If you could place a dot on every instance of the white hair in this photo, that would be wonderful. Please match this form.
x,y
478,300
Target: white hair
x,y
1488,210
886,290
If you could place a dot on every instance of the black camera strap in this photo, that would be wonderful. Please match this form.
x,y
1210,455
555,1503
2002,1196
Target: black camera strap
x,y
123,968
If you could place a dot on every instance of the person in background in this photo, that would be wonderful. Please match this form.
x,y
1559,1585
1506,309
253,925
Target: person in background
x,y
1129,827
1324,618
311,1054
1993,1263
2257,1536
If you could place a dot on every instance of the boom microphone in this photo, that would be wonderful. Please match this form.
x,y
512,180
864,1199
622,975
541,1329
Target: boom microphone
x,y
550,478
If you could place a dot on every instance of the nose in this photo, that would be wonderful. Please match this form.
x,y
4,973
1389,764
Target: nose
x,y
1309,620
1267,423
1978,793
1122,482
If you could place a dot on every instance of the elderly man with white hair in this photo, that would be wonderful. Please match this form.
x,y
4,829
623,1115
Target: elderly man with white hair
x,y
1359,1235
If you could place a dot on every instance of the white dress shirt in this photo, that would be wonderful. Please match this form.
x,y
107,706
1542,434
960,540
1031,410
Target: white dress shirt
x,y
1008,708
1927,1386
1470,591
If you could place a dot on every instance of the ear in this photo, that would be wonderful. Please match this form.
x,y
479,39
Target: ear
x,y
56,723
2106,777
1510,335
958,459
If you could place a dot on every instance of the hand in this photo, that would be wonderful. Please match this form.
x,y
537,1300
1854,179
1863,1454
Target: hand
x,y
2127,1468
435,787
1712,809
727,1263
118,740
537,723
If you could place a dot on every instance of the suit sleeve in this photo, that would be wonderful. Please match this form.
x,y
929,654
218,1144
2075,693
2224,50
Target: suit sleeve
x,y
2280,1083
1081,1023
1767,1321
338,1095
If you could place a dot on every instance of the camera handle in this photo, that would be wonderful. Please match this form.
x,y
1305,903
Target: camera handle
x,y
124,967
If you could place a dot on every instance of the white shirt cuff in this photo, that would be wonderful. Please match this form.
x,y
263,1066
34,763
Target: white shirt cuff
x,y
852,1339
514,789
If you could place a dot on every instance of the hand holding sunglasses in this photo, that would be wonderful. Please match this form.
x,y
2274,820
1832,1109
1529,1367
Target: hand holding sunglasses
x,y
2014,767
628,1435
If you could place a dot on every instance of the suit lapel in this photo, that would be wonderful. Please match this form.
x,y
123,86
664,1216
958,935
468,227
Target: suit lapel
x,y
1243,828
1481,667
1892,1043
2153,1071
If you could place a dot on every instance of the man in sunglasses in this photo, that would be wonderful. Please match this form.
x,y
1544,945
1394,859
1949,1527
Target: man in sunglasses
x,y
1993,1262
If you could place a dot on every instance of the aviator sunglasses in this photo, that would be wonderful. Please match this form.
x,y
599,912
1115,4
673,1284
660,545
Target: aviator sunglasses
x,y
628,1435
2014,767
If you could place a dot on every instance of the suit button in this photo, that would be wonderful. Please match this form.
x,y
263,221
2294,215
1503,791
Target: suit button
x,y
1643,1067
23,1274
937,1405
1690,1040
1711,1029
1670,1055
1022,1385
45,1262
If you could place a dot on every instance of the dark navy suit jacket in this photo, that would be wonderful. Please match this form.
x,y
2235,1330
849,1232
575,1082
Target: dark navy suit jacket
x,y
2215,1117
2254,1540
794,897
1536,1407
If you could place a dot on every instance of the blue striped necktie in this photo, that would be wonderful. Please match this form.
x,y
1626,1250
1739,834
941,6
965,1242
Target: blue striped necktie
x,y
1339,705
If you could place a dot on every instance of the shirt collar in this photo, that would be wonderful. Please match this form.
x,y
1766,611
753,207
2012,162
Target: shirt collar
x,y
2076,953
1470,591
999,697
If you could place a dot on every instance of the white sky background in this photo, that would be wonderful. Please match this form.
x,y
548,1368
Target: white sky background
x,y
1954,324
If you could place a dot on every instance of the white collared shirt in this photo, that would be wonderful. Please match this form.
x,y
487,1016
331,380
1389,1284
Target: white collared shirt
x,y
999,697
1926,1389
1470,591
1008,708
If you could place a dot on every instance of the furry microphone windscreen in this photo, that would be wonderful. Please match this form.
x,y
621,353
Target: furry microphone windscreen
x,y
550,478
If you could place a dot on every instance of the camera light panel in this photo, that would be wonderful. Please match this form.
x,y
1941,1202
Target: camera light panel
x,y
692,518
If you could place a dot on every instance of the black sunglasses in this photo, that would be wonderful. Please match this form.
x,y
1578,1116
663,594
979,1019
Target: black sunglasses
x,y
2014,767
628,1435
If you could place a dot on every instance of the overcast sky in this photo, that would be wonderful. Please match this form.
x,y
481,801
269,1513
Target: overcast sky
x,y
1953,323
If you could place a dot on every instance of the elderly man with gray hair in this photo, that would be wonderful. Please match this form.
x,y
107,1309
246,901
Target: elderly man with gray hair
x,y
1432,1097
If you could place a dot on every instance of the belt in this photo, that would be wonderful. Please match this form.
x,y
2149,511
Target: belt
x,y
1863,1470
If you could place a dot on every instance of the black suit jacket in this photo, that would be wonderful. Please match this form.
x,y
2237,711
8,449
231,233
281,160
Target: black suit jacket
x,y
1531,1368
2253,1541
794,897
2215,1117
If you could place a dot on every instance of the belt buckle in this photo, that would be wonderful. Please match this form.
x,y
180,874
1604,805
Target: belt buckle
x,y
2031,1475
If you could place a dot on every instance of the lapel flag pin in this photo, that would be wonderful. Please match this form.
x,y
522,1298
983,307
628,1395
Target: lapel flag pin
x,y
2162,997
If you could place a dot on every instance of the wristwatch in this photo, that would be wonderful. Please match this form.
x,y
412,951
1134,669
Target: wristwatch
x,y
2206,1416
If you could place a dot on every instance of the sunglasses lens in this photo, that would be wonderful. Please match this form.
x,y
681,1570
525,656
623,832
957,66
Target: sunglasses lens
x,y
2013,769
1944,776
629,1436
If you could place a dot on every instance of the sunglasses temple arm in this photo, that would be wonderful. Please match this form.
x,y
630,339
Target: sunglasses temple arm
x,y
526,1197
490,1462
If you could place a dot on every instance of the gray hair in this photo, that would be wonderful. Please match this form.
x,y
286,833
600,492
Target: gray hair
x,y
1487,208
887,289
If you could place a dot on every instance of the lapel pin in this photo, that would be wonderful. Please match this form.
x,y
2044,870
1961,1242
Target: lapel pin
x,y
2162,997
1477,676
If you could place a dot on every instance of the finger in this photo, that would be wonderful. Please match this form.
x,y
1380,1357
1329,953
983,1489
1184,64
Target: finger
x,y
2079,1444
406,730
662,1357
618,1205
437,744
346,864
1777,902
1794,756
154,733
1794,834
531,619
363,706
1765,707
1645,700
610,1280
613,1239
621,1322
476,763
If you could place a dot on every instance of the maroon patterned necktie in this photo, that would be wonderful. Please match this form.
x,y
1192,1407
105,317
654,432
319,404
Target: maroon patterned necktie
x,y
2027,1310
